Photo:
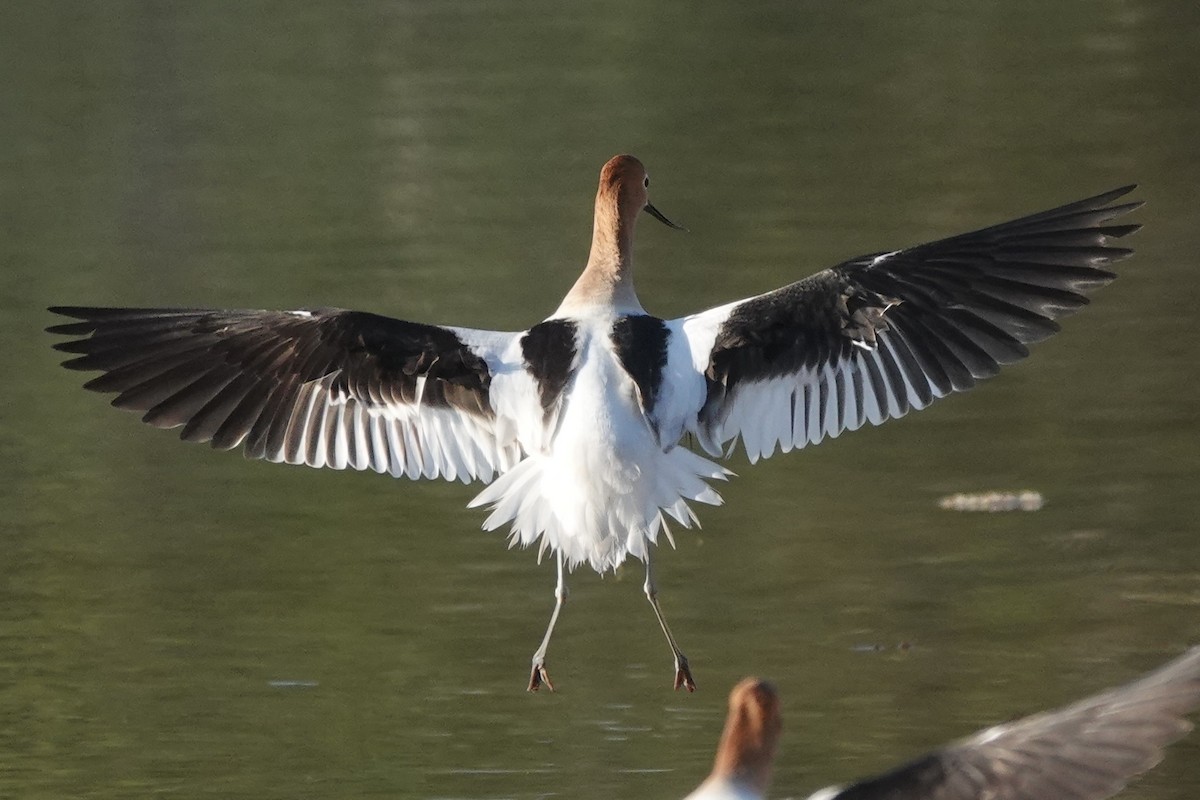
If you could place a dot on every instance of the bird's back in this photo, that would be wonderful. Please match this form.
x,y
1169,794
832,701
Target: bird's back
x,y
598,477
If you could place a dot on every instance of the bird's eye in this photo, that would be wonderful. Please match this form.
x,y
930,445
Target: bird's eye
x,y
647,181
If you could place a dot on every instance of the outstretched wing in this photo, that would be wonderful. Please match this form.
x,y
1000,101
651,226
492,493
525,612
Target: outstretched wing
x,y
1087,751
323,387
871,338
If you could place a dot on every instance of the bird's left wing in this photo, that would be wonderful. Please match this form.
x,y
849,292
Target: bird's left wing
x,y
323,387
1086,751
871,338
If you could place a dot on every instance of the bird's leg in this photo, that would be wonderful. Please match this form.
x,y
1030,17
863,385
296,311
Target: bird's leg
x,y
683,675
538,674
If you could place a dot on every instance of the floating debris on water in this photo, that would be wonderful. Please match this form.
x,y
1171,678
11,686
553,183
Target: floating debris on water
x,y
876,647
993,501
292,684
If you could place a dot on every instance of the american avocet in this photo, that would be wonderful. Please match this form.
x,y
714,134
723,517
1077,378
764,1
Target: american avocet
x,y
746,751
576,422
1085,751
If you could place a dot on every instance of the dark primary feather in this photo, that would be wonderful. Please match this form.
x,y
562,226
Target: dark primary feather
x,y
1086,751
948,313
229,376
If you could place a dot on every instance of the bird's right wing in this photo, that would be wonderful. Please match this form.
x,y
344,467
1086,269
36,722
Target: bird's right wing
x,y
1086,751
322,387
873,337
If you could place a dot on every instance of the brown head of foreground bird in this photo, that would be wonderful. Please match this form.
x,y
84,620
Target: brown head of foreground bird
x,y
1085,751
579,423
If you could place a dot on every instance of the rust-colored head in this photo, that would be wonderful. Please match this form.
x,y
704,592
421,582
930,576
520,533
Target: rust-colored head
x,y
624,189
751,734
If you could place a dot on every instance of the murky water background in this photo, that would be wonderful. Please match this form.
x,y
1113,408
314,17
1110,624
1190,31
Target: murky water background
x,y
180,623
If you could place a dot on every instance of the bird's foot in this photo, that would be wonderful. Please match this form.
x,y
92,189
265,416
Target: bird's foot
x,y
538,676
683,675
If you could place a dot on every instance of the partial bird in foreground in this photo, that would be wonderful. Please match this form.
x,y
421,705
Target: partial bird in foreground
x,y
1086,751
576,423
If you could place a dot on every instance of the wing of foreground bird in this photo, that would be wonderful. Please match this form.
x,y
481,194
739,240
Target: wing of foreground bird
x,y
871,338
1086,751
323,387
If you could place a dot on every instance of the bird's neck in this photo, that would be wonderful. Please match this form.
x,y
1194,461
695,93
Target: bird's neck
x,y
607,280
744,756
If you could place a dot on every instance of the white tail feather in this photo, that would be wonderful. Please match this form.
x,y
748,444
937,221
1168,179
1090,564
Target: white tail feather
x,y
615,516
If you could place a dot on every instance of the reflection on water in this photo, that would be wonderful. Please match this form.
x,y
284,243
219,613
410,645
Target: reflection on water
x,y
180,622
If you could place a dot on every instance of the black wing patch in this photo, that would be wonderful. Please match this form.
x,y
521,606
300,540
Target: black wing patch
x,y
801,325
549,351
234,376
640,342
